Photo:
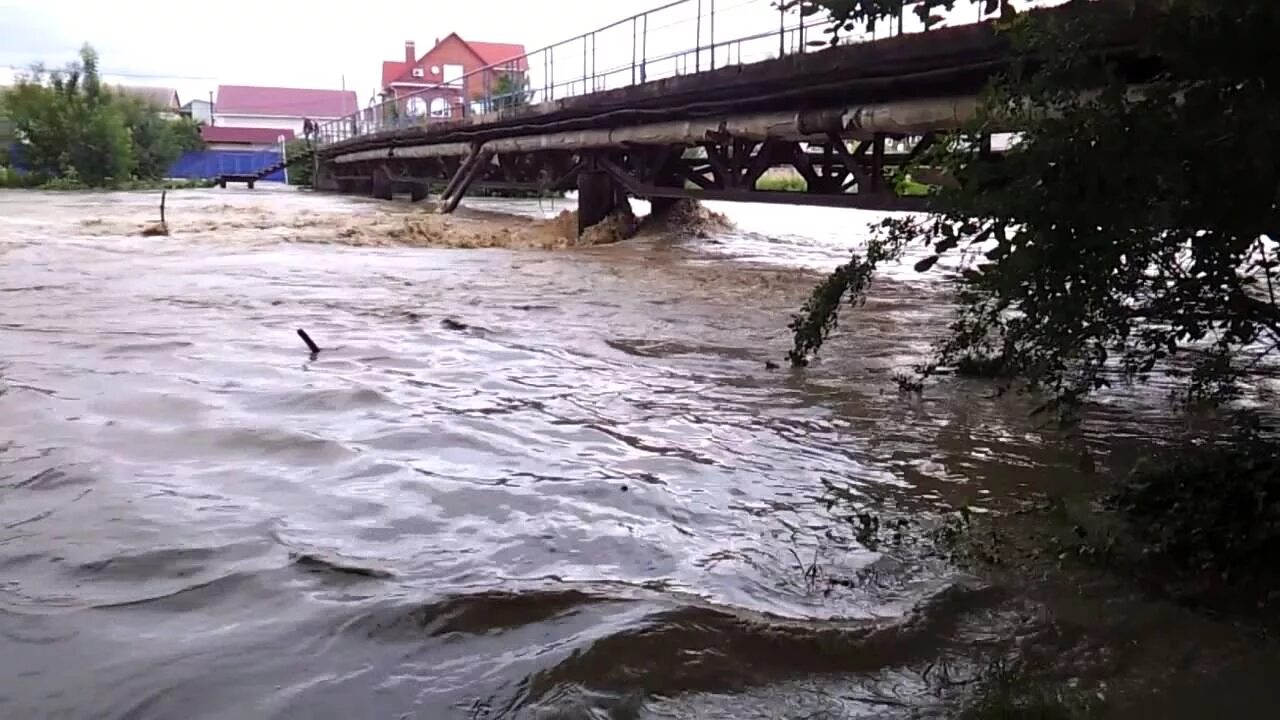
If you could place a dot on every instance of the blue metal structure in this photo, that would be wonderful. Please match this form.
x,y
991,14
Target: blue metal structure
x,y
210,164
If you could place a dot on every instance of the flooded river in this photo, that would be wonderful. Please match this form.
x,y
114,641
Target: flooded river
x,y
517,482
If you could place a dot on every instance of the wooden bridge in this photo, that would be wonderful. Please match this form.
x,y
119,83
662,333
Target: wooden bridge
x,y
703,122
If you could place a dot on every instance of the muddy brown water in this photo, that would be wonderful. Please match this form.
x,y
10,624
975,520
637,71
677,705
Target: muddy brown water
x,y
517,482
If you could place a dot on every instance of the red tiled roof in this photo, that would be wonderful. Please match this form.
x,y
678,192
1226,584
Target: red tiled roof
x,y
289,102
494,53
247,135
487,52
392,71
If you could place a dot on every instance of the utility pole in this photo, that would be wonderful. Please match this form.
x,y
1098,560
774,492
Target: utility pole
x,y
284,159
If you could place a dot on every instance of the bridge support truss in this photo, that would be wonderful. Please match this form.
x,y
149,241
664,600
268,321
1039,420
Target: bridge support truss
x,y
826,169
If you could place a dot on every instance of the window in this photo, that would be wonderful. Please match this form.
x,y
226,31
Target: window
x,y
439,107
453,74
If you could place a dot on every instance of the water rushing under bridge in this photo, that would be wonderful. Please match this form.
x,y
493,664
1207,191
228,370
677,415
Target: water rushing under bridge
x,y
694,99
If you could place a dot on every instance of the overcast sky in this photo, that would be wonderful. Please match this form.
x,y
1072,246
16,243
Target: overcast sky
x,y
196,46
193,47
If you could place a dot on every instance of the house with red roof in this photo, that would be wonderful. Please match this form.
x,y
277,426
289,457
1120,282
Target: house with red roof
x,y
446,76
227,137
278,108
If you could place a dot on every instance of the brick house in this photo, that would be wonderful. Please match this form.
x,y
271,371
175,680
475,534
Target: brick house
x,y
439,80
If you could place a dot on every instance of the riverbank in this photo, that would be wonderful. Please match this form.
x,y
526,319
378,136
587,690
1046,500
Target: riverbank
x,y
11,179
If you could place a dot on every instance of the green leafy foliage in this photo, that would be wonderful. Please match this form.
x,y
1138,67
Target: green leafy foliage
x,y
1209,509
302,172
510,90
157,141
1125,230
74,129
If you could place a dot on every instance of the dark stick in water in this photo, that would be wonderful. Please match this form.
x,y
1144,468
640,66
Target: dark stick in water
x,y
310,343
162,194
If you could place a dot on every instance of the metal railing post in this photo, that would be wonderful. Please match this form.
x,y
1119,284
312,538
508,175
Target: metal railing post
x,y
644,49
782,31
713,34
584,64
633,51
593,62
697,46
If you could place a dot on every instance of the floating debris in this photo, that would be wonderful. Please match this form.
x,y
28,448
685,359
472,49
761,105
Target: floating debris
x,y
311,344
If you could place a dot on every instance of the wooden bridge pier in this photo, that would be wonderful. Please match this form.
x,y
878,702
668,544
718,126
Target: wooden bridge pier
x,y
599,195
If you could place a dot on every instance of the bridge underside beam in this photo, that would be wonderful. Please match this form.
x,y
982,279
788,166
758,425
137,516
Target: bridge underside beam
x,y
826,170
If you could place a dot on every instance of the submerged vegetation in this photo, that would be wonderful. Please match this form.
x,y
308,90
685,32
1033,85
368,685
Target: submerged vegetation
x,y
71,131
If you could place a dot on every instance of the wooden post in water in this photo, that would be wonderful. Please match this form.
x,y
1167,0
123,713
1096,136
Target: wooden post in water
x,y
597,197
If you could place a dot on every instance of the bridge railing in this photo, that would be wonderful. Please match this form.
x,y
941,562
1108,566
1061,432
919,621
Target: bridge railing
x,y
678,38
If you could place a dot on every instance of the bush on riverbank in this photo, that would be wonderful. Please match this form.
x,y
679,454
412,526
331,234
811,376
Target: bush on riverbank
x,y
13,179
782,183
300,173
1212,509
772,181
74,132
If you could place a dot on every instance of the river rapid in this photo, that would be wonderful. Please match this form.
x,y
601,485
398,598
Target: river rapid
x,y
526,481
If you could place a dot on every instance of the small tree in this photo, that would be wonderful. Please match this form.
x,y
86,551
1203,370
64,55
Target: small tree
x,y
157,141
68,125
71,127
510,90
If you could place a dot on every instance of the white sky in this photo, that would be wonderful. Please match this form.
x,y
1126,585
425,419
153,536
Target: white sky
x,y
196,46
193,47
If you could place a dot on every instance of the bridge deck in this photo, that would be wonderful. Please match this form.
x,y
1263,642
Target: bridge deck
x,y
946,62
838,117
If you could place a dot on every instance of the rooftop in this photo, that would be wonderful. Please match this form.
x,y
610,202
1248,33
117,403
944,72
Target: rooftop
x,y
286,102
162,97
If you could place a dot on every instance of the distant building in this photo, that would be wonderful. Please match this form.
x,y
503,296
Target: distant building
x,y
440,80
163,98
247,106
199,110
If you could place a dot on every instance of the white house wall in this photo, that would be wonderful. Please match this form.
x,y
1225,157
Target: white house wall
x,y
259,121
264,121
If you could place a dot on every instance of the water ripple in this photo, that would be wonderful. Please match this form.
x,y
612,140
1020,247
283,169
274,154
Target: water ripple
x,y
512,482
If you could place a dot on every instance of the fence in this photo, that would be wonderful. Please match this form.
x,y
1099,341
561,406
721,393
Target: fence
x,y
205,164
679,38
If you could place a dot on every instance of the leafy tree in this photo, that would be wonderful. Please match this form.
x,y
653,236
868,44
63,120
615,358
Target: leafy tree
x,y
1125,230
510,90
71,127
158,141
